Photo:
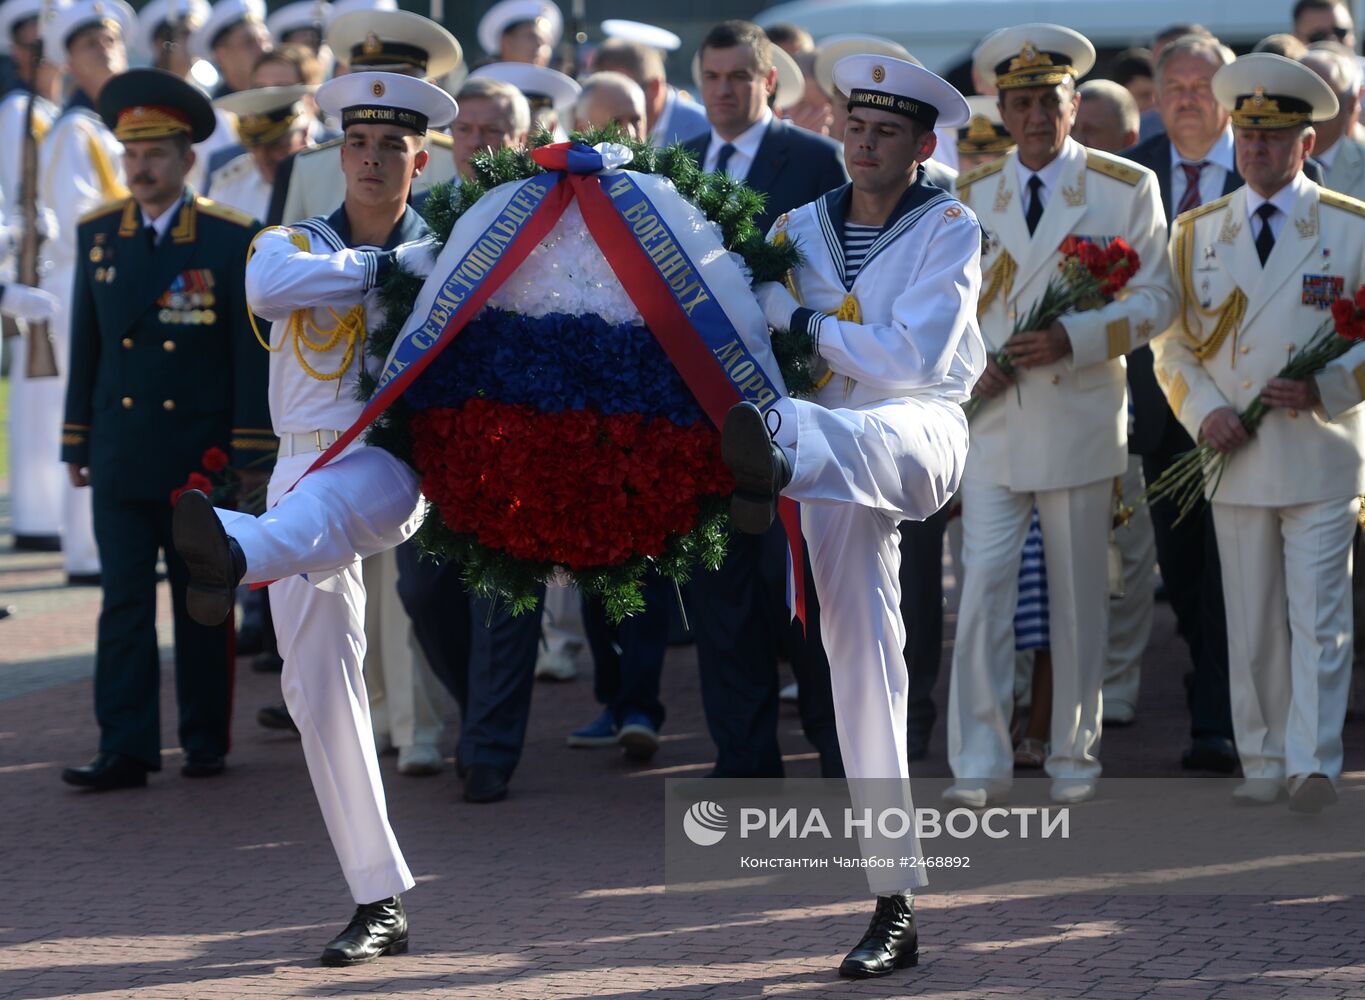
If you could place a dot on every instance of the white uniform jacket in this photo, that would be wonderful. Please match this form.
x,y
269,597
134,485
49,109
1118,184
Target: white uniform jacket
x,y
317,185
13,124
81,168
240,185
1067,423
919,280
314,289
1208,359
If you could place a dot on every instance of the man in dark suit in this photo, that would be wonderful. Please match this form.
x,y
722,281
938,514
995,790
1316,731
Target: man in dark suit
x,y
740,610
1193,161
164,367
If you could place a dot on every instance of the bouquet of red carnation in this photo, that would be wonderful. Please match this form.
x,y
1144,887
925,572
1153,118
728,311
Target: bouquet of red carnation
x,y
1196,474
1091,276
222,484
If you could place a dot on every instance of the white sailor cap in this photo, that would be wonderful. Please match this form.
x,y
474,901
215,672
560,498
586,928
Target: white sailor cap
x,y
508,13
13,13
1033,55
225,16
984,131
902,88
641,33
393,41
342,7
1262,90
302,15
542,86
829,51
68,20
791,82
386,98
265,113
155,15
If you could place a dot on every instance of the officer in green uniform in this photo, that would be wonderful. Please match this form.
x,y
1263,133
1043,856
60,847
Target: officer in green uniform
x,y
164,367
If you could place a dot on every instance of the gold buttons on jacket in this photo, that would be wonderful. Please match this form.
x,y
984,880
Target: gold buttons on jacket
x,y
168,345
127,402
168,405
1246,383
1245,349
128,343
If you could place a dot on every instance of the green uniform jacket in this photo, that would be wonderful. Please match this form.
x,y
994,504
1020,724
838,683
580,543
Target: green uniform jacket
x,y
164,363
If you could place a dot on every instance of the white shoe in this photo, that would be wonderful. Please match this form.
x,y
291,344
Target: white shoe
x,y
1259,792
1118,713
975,794
1069,791
420,759
556,667
789,693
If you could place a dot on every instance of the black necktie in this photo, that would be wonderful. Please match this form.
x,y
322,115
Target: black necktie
x,y
150,233
1034,211
1265,239
723,157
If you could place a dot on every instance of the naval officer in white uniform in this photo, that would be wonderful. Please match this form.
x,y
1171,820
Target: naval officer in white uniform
x,y
888,292
315,281
1257,272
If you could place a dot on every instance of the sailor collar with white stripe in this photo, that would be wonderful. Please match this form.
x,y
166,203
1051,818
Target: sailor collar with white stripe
x,y
335,229
831,211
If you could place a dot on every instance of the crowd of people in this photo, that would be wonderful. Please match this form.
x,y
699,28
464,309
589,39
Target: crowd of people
x,y
150,226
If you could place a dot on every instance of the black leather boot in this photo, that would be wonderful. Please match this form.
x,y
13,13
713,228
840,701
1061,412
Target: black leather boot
x,y
214,559
760,468
379,928
106,772
891,941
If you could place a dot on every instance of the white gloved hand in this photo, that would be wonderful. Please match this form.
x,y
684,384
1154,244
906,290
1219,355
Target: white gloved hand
x,y
30,304
417,257
778,304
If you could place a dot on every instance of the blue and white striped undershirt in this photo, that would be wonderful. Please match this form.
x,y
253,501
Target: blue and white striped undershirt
x,y
858,241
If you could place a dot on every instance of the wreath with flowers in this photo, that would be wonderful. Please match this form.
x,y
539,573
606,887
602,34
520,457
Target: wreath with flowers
x,y
553,436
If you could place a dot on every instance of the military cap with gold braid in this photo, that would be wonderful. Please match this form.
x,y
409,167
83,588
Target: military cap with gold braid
x,y
1266,91
1033,55
393,41
266,113
984,131
154,104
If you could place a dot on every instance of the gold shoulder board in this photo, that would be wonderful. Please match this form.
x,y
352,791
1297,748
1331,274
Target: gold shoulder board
x,y
1184,218
1341,201
108,208
220,211
1114,167
441,139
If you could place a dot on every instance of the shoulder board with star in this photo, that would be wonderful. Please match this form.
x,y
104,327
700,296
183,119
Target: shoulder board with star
x,y
441,140
108,208
1185,218
1334,200
233,169
966,179
329,144
1113,166
217,210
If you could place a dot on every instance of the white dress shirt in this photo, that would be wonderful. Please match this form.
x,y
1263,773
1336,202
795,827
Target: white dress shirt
x,y
746,148
163,221
1218,163
1283,199
1050,175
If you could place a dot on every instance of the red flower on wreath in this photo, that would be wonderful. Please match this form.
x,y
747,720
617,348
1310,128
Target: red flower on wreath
x,y
214,460
577,488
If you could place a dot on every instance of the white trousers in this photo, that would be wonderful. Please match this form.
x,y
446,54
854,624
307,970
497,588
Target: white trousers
x,y
561,624
80,554
857,474
37,479
1130,615
1287,587
359,504
321,634
1075,540
405,696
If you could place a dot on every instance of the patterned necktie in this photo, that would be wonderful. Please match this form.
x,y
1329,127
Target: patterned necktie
x,y
1191,198
723,157
1034,211
1265,239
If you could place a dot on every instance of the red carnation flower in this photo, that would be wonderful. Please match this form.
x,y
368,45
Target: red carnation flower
x,y
1343,314
199,481
214,460
1360,298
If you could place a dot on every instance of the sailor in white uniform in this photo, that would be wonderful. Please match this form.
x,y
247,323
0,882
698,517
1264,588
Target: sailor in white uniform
x,y
315,281
888,292
272,123
371,40
36,479
81,168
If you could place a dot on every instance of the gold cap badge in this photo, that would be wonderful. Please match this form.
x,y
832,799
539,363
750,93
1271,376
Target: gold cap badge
x,y
878,74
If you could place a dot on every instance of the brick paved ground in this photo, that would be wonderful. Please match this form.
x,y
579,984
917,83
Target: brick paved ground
x,y
228,888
